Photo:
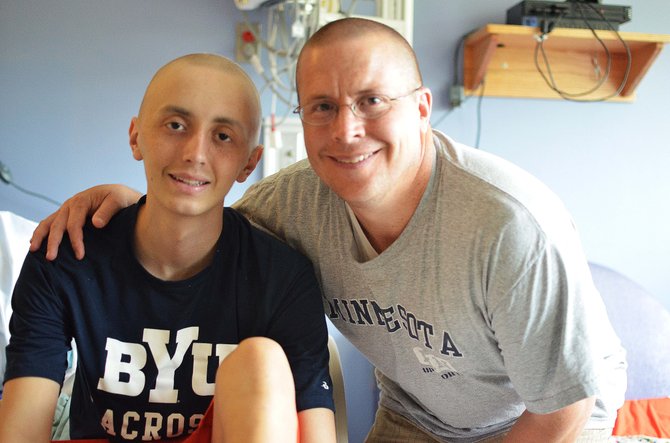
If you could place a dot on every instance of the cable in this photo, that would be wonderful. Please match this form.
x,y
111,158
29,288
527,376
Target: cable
x,y
6,177
549,78
35,194
457,81
479,112
289,25
457,58
551,81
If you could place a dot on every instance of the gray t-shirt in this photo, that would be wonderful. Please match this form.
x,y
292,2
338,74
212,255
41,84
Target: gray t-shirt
x,y
483,307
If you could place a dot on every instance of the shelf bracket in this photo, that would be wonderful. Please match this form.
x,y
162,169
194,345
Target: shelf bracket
x,y
482,52
645,57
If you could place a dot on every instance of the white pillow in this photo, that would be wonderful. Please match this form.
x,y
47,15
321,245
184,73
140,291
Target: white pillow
x,y
15,233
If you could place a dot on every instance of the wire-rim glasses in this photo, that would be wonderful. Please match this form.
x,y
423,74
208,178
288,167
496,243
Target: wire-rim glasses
x,y
370,106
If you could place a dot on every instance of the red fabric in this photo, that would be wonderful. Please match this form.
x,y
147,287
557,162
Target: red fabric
x,y
648,417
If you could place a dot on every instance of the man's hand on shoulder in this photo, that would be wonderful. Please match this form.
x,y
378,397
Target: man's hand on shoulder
x,y
101,202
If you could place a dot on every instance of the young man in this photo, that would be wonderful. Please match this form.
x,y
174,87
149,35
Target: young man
x,y
169,288
457,274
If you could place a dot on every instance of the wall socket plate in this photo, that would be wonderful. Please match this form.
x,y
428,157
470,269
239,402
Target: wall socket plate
x,y
246,44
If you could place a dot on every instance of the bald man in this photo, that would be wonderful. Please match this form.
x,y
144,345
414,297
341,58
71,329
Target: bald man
x,y
458,275
170,288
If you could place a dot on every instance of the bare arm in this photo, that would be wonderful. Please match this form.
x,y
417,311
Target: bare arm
x,y
27,411
563,425
316,425
101,202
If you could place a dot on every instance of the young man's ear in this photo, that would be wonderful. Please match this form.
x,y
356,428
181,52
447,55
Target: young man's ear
x,y
252,162
132,139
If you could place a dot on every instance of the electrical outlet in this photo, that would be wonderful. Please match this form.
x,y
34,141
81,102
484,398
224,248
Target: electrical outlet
x,y
456,95
246,41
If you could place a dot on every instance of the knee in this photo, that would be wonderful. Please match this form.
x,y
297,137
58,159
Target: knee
x,y
257,361
256,352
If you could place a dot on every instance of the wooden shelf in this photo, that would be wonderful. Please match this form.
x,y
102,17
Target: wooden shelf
x,y
505,56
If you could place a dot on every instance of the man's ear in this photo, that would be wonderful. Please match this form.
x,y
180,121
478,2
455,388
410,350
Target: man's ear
x,y
132,139
252,162
425,106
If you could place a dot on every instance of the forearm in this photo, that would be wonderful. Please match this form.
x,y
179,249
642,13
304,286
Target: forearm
x,y
27,410
316,426
563,425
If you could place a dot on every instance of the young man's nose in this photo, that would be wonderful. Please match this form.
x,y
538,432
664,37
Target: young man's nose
x,y
195,149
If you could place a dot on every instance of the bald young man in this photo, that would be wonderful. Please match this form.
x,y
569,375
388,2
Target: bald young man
x,y
168,290
458,275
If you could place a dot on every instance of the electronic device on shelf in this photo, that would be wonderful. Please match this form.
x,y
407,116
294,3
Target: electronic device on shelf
x,y
568,14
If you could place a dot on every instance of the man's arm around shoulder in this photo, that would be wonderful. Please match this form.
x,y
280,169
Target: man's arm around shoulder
x,y
27,410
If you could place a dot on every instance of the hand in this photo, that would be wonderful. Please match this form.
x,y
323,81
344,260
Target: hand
x,y
101,201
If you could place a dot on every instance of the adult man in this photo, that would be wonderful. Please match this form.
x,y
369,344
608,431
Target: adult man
x,y
459,276
169,288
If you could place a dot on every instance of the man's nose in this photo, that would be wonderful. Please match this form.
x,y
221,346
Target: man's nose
x,y
347,126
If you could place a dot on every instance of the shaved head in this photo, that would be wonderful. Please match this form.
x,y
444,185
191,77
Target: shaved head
x,y
230,69
352,29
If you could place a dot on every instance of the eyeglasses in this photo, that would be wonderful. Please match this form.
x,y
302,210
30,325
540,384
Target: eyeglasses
x,y
321,112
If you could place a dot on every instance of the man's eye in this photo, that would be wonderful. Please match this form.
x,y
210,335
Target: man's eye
x,y
222,136
320,107
371,101
176,126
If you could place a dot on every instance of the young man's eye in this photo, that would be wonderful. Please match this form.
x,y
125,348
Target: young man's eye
x,y
175,126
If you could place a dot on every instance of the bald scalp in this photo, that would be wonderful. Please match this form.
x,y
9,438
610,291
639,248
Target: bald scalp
x,y
354,28
216,62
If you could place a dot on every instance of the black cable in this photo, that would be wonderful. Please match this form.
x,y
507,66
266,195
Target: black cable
x,y
457,57
457,81
629,61
601,81
552,82
6,177
35,194
549,78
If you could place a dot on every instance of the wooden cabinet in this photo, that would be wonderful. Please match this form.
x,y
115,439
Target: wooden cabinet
x,y
505,56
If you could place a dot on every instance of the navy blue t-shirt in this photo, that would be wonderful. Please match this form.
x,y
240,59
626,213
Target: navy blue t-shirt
x,y
148,349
